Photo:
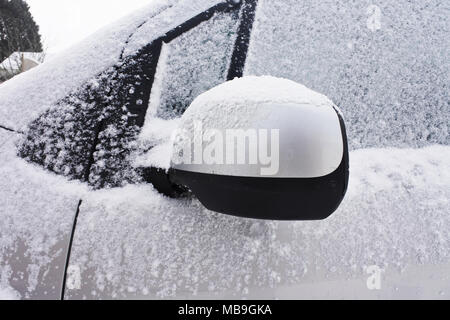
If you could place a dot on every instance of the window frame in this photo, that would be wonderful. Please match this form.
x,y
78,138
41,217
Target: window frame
x,y
119,98
246,10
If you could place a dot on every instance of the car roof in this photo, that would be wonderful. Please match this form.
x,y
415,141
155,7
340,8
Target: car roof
x,y
26,96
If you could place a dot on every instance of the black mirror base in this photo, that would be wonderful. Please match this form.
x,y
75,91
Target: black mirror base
x,y
267,198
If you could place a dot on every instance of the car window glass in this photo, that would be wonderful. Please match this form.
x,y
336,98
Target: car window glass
x,y
193,63
385,64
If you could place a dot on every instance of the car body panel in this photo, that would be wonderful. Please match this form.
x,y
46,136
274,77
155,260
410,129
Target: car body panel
x,y
133,243
36,215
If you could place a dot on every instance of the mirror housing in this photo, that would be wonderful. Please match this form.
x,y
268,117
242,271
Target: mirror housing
x,y
264,148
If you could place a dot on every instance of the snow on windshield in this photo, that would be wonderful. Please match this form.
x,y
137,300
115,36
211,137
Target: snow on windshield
x,y
196,61
385,64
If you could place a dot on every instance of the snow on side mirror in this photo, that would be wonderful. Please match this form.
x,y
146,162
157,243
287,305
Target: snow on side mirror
x,y
263,147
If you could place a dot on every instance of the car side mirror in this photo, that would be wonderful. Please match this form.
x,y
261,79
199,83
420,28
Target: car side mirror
x,y
265,148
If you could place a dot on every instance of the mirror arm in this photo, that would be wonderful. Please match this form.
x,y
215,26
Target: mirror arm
x,y
164,182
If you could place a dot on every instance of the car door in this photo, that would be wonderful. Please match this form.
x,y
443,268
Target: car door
x,y
37,211
137,262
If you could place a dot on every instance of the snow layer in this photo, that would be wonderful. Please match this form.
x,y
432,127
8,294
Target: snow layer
x,y
235,103
385,63
166,21
232,104
196,61
36,215
158,130
266,102
134,242
26,96
8,293
57,78
155,143
264,89
157,157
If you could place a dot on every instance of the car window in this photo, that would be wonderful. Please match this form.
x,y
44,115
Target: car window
x,y
87,135
90,134
385,64
193,63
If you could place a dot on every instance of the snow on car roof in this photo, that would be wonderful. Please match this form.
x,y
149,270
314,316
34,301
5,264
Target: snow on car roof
x,y
23,98
389,79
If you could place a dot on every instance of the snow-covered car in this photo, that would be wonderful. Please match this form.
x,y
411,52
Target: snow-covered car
x,y
81,134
